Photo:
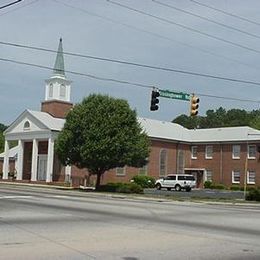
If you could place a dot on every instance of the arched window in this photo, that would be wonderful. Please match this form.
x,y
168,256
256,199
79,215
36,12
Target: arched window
x,y
163,162
26,125
62,91
51,90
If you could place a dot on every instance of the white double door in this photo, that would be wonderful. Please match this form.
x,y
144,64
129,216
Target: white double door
x,y
42,167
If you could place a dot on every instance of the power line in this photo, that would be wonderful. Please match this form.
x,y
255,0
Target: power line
x,y
155,34
78,73
12,3
225,12
229,98
184,27
17,8
207,19
179,71
118,81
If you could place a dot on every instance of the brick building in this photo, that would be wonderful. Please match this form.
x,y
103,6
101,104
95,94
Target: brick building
x,y
221,155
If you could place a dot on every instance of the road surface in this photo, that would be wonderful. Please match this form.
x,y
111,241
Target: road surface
x,y
37,223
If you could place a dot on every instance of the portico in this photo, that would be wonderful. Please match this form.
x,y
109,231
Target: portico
x,y
35,163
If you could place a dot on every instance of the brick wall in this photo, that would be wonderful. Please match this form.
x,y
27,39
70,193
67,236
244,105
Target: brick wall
x,y
56,108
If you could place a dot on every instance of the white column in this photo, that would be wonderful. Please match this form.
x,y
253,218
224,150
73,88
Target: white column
x,y
34,160
20,161
50,160
6,161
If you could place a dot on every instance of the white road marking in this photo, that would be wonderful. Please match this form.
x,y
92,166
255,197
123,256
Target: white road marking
x,y
15,197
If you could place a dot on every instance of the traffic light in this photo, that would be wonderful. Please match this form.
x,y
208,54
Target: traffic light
x,y
194,105
154,100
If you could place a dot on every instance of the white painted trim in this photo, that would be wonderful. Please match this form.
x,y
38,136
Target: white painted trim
x,y
233,177
50,160
6,161
34,160
20,160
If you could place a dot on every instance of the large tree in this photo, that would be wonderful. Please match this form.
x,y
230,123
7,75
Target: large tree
x,y
221,118
100,134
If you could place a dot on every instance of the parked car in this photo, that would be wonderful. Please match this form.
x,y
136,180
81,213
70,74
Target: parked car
x,y
177,182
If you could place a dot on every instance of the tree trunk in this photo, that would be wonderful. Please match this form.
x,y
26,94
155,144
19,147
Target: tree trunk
x,y
98,180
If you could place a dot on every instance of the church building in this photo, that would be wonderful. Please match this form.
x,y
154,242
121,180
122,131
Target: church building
x,y
228,156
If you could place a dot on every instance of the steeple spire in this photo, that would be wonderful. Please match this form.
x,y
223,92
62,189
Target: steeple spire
x,y
59,62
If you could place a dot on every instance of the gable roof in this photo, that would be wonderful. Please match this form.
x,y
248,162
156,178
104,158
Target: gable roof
x,y
53,123
12,153
43,119
161,130
173,131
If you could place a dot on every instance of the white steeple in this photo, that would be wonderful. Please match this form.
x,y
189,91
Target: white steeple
x,y
58,87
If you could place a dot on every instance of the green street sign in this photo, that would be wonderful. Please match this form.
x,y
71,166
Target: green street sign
x,y
174,95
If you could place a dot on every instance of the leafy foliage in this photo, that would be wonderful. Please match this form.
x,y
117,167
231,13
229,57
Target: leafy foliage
x,y
144,181
121,187
100,134
253,194
221,118
2,128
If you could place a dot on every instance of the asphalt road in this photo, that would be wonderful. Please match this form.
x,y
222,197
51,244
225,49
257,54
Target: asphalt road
x,y
52,224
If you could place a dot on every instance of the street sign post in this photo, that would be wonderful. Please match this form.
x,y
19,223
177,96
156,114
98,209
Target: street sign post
x,y
174,95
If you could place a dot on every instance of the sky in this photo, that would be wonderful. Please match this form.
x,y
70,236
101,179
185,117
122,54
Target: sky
x,y
147,36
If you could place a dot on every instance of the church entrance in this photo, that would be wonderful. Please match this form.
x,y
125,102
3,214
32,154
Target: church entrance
x,y
42,167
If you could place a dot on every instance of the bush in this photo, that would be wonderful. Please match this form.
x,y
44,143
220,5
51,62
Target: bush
x,y
109,187
130,188
235,187
218,186
121,187
144,181
207,184
253,195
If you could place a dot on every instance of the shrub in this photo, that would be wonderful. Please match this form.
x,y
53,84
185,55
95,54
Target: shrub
x,y
235,187
130,188
144,181
121,187
253,195
109,187
207,184
218,186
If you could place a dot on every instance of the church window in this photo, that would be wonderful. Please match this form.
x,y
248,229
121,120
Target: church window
x,y
163,161
62,91
50,90
26,125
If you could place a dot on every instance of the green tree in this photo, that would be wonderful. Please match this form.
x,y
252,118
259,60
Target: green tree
x,y
100,134
1,142
188,121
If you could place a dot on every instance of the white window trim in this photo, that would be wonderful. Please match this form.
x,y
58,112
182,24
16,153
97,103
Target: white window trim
x,y
248,157
192,153
206,175
51,90
26,127
233,177
233,156
121,174
206,150
247,178
62,91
